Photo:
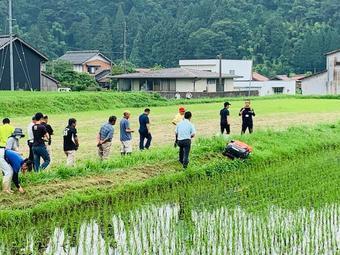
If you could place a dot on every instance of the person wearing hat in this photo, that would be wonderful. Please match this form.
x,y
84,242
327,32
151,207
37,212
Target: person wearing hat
x,y
179,116
224,123
13,141
126,134
11,163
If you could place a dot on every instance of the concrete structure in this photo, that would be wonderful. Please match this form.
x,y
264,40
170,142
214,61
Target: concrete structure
x,y
176,80
28,63
241,68
326,82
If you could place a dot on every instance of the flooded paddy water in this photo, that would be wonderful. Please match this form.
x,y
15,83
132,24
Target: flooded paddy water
x,y
292,208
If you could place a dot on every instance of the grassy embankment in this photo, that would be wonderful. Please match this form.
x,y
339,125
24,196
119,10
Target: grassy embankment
x,y
152,172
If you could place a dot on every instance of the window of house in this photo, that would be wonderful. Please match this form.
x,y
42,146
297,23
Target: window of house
x,y
172,85
278,90
92,69
232,72
211,81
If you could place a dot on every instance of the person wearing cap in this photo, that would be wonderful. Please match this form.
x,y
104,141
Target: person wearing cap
x,y
247,114
6,130
224,114
30,138
11,163
185,131
144,130
179,116
40,136
104,138
126,134
13,141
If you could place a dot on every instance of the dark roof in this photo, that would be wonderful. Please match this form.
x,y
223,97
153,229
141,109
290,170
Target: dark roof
x,y
312,75
80,57
174,73
5,40
50,77
332,52
103,74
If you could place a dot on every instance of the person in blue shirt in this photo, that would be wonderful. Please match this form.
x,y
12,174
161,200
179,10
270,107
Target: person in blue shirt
x,y
126,134
11,163
144,130
185,131
104,138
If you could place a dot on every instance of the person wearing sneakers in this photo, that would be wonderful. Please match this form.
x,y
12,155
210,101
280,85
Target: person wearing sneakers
x,y
11,163
126,134
13,140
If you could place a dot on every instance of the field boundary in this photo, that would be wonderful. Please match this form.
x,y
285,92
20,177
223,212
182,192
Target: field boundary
x,y
271,150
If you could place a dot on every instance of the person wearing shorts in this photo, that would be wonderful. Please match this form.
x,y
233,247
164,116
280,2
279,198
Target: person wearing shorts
x,y
126,134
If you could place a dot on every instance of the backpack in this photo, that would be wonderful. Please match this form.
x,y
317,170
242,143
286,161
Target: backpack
x,y
237,149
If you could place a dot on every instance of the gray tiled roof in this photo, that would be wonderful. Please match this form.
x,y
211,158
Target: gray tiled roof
x,y
4,40
174,73
80,57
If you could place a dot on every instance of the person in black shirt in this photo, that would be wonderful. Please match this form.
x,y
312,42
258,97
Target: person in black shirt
x,y
71,142
247,114
144,130
48,127
39,149
224,113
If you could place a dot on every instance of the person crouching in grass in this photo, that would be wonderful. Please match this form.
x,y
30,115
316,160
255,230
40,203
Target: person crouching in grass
x,y
11,163
71,142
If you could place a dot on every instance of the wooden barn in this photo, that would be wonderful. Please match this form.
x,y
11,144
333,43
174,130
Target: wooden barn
x,y
27,65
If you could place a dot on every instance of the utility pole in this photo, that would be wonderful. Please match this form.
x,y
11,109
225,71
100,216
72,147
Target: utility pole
x,y
220,72
125,45
251,77
11,64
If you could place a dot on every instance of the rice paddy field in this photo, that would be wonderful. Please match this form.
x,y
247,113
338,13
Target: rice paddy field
x,y
284,200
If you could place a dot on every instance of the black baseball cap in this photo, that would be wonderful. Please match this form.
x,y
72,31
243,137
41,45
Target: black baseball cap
x,y
227,103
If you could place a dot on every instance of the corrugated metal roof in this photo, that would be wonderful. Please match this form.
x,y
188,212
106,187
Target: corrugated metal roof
x,y
4,40
173,73
259,77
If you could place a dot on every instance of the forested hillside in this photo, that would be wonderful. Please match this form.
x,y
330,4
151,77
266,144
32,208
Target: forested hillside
x,y
280,35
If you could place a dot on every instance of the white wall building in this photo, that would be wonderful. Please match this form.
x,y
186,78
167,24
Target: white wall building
x,y
268,88
327,82
246,82
241,68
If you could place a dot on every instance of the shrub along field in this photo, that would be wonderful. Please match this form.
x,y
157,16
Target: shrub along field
x,y
272,113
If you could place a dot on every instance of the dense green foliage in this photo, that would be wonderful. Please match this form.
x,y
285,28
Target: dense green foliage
x,y
63,72
281,36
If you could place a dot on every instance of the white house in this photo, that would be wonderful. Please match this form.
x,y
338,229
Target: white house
x,y
326,82
247,79
242,68
175,80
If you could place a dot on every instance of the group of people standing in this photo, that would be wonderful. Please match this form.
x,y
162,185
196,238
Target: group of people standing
x,y
247,113
40,134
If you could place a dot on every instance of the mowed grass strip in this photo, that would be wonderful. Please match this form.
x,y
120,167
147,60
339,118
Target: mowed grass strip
x,y
271,113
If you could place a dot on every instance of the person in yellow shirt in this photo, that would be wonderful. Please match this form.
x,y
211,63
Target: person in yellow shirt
x,y
6,130
179,116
